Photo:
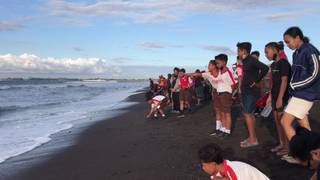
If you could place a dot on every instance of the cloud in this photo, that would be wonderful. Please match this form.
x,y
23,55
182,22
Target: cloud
x,y
155,11
10,26
32,64
287,15
219,49
78,49
151,45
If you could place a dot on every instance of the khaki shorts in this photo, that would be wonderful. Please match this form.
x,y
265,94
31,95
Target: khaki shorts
x,y
224,102
298,107
184,95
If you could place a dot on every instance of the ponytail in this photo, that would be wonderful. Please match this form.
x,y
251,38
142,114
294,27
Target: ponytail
x,y
296,31
306,39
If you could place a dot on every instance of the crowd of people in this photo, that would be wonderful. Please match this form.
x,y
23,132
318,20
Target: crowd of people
x,y
291,92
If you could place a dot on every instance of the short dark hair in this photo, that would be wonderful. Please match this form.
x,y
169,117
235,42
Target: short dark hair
x,y
303,143
222,57
149,95
183,70
245,46
273,45
213,62
294,32
257,53
211,153
197,71
176,69
281,45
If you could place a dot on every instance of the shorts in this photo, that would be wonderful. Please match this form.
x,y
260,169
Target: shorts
x,y
184,95
298,107
249,103
224,102
215,99
199,92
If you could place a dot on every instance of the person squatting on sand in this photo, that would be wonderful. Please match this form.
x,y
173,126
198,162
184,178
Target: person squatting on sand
x,y
214,164
157,104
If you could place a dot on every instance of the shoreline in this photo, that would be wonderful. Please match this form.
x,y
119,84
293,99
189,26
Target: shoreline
x,y
130,147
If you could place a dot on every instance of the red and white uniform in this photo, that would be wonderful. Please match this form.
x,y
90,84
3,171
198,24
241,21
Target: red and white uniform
x,y
157,100
225,81
185,82
213,80
236,170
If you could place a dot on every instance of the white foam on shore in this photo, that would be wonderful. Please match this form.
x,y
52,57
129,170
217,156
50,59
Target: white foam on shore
x,y
21,132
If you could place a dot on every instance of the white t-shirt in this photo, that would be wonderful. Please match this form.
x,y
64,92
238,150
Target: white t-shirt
x,y
237,170
213,80
225,82
156,101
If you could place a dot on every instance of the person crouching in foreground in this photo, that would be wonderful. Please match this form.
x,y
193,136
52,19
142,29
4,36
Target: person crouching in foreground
x,y
214,164
157,105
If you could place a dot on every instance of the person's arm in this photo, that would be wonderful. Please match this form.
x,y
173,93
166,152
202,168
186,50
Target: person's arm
x,y
176,86
263,70
301,81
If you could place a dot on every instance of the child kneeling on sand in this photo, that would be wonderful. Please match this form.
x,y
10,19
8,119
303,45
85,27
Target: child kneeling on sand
x,y
157,104
218,168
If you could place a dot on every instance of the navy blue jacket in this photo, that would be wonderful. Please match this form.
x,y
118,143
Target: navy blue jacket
x,y
305,80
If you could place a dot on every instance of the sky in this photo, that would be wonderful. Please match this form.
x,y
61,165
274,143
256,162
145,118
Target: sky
x,y
139,38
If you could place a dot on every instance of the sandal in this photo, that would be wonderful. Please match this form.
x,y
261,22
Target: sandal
x,y
277,148
282,152
290,159
244,141
247,144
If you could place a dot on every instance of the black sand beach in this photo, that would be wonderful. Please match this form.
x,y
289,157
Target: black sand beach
x,y
130,147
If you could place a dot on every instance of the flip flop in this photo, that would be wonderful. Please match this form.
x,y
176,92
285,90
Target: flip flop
x,y
244,141
290,159
248,145
282,152
276,149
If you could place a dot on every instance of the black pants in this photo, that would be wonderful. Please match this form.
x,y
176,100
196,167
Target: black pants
x,y
176,101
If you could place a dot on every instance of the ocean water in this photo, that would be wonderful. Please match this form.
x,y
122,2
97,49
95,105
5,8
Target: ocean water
x,y
32,110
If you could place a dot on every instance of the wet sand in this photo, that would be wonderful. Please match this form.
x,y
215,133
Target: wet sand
x,y
129,147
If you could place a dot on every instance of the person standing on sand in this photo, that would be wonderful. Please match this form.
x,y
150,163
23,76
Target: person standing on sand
x,y
279,96
253,73
175,89
212,77
198,88
214,164
185,83
305,81
225,87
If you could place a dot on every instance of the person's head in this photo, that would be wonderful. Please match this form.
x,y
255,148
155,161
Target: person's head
x,y
244,49
305,146
176,71
197,71
294,38
212,66
256,54
222,60
234,66
210,157
281,45
239,61
182,72
169,76
272,50
149,96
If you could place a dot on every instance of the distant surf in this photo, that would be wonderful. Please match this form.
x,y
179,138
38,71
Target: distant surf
x,y
32,110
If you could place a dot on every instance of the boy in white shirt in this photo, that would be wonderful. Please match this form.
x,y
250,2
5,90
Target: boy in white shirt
x,y
225,87
214,164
